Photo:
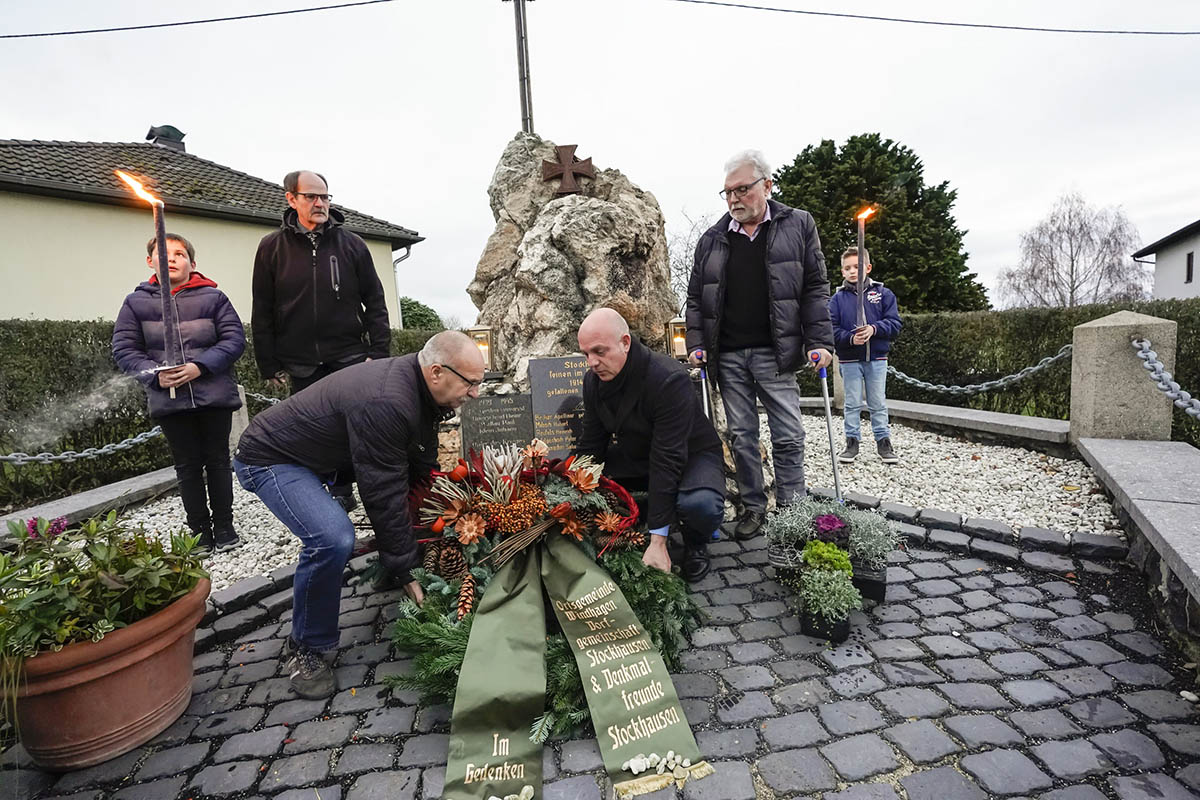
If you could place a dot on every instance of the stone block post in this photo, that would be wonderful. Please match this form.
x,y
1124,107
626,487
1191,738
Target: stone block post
x,y
241,420
1112,396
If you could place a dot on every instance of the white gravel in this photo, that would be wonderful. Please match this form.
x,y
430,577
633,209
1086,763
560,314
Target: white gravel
x,y
1017,486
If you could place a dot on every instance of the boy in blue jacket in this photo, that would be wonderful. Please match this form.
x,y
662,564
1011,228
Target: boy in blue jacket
x,y
862,354
197,420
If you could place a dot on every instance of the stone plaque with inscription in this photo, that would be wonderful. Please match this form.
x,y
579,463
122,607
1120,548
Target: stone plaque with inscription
x,y
497,420
557,387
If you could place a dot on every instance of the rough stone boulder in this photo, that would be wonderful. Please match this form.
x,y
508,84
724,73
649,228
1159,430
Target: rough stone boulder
x,y
551,260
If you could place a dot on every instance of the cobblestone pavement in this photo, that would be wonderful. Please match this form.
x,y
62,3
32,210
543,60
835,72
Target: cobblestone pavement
x,y
976,678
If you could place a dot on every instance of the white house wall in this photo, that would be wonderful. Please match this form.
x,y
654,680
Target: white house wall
x,y
67,259
1170,267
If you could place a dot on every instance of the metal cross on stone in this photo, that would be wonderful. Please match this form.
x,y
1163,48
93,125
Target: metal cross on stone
x,y
568,167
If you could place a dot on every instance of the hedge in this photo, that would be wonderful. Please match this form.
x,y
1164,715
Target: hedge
x,y
60,374
59,377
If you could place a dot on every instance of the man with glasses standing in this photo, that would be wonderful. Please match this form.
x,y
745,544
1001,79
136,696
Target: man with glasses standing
x,y
757,311
318,303
381,419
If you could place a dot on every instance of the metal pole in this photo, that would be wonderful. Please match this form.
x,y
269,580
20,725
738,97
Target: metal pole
x,y
523,66
837,483
862,278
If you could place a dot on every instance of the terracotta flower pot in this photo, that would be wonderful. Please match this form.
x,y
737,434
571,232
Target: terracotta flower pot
x,y
92,701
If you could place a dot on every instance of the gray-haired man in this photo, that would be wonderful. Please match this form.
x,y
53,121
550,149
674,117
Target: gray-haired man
x,y
757,311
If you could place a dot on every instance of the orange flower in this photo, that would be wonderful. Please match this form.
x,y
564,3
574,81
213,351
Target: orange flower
x,y
455,509
608,521
574,526
470,528
585,479
561,510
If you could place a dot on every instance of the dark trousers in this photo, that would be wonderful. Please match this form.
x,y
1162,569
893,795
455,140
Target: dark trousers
x,y
699,511
199,442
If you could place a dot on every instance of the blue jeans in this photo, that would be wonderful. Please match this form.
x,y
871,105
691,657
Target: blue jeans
x,y
701,512
297,497
873,376
743,375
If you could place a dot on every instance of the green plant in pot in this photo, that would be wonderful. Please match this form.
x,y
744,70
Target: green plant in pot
x,y
827,592
97,625
866,535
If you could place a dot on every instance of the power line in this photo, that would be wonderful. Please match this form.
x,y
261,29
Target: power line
x,y
938,22
190,21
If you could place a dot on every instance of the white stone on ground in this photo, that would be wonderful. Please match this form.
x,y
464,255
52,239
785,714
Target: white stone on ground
x,y
1011,484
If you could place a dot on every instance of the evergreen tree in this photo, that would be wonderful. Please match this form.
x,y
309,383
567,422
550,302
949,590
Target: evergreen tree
x,y
916,247
418,316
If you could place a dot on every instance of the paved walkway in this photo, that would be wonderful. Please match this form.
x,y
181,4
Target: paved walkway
x,y
974,679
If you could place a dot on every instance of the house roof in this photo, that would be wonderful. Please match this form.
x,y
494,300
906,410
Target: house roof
x,y
1170,238
84,171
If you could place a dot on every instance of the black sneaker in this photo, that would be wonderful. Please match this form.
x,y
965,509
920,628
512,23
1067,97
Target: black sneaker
x,y
226,537
695,564
308,673
749,525
884,446
344,494
848,455
206,540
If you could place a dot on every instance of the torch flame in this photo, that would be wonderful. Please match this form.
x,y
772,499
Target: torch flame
x,y
866,212
138,189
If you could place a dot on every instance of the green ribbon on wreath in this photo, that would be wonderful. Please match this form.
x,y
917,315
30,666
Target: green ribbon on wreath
x,y
502,684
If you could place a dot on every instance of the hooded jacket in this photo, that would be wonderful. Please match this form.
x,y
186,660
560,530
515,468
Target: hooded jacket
x,y
211,336
317,299
880,309
797,288
378,418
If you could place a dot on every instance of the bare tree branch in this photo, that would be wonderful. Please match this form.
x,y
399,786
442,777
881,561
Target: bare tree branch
x,y
1076,255
681,250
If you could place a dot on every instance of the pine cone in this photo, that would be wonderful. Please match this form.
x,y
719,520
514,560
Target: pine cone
x,y
451,564
466,596
432,551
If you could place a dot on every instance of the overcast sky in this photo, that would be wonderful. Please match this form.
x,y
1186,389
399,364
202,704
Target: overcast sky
x,y
406,106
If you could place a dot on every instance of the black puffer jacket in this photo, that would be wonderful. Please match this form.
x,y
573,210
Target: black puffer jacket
x,y
378,418
317,298
648,423
797,285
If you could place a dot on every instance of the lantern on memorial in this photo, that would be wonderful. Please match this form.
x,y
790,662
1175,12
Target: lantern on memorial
x,y
482,336
676,334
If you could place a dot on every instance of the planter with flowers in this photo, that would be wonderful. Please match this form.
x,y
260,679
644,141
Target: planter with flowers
x,y
97,625
865,536
826,590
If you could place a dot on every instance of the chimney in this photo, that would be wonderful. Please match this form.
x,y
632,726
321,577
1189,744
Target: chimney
x,y
167,136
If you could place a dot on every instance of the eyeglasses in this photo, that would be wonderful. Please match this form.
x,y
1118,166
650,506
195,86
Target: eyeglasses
x,y
738,191
313,197
470,383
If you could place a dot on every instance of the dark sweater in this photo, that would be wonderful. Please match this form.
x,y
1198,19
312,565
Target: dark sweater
x,y
745,321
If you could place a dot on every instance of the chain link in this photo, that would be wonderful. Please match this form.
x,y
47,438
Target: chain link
x,y
986,386
263,397
1163,380
91,452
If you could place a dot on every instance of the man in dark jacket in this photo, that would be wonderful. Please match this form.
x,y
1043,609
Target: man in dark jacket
x,y
642,418
756,312
318,303
380,419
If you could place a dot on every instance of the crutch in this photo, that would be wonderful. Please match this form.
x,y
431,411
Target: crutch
x,y
703,383
837,484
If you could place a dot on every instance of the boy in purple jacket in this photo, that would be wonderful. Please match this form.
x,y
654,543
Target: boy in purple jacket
x,y
862,354
197,420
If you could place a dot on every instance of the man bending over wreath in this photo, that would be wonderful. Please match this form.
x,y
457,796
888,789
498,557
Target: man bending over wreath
x,y
642,418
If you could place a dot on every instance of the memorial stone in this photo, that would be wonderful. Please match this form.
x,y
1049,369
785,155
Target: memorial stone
x,y
557,387
497,420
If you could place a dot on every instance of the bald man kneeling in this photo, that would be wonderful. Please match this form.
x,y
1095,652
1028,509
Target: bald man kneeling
x,y
642,418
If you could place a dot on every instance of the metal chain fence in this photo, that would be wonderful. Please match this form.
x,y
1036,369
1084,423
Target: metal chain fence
x,y
986,386
20,459
1163,380
90,452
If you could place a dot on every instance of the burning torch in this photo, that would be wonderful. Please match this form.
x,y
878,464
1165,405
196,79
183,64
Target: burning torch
x,y
170,315
861,321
